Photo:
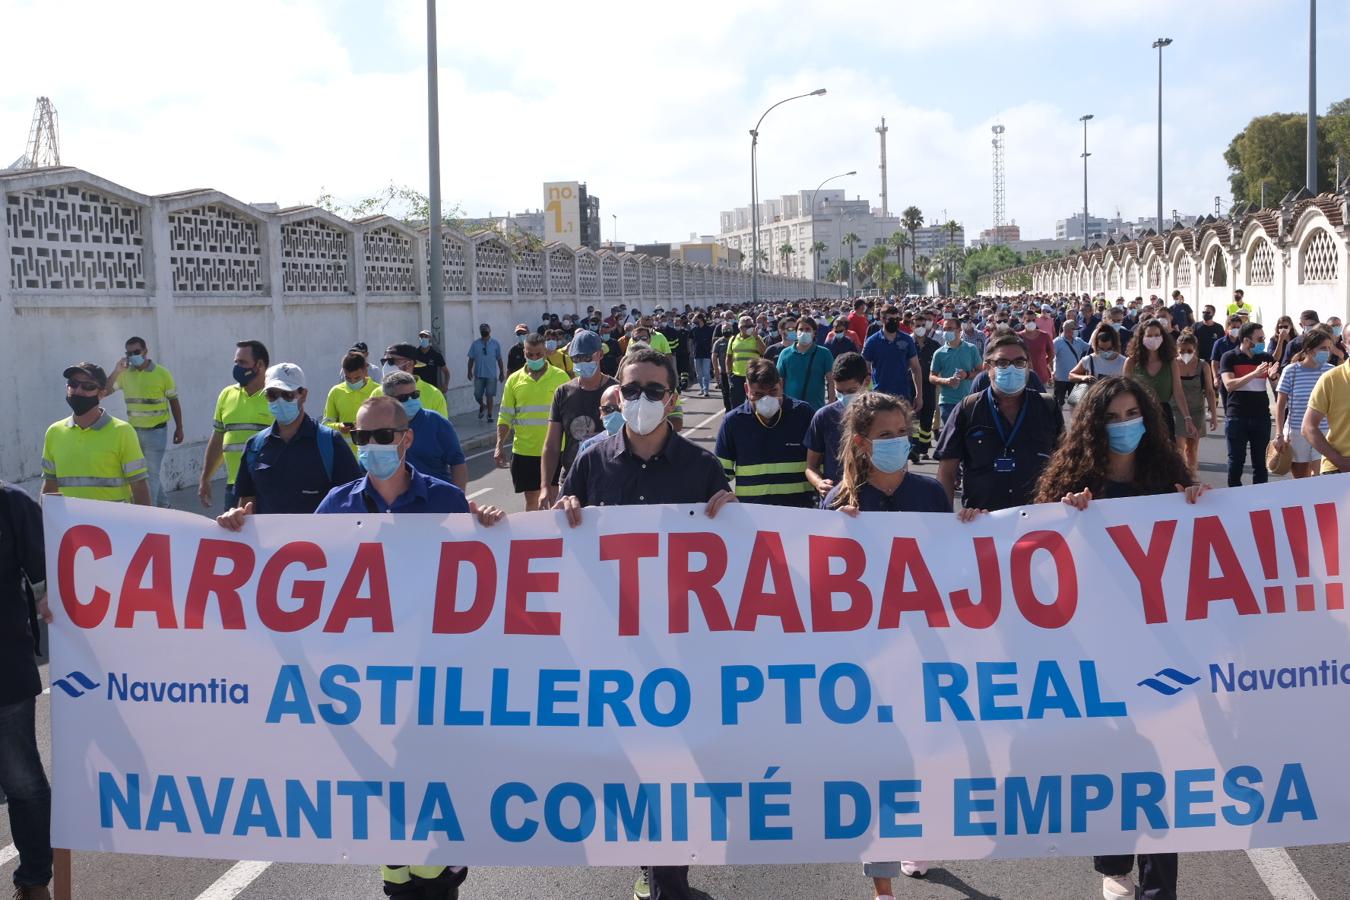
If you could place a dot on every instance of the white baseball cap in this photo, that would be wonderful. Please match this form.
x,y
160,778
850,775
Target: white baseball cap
x,y
285,377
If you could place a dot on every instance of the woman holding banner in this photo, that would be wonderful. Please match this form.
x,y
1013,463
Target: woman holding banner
x,y
873,453
1120,446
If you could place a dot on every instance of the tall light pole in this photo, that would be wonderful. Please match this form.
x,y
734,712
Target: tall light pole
x,y
1312,97
754,192
815,257
1085,119
1159,44
615,217
435,284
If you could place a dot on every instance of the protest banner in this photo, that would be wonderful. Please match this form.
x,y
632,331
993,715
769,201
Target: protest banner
x,y
657,687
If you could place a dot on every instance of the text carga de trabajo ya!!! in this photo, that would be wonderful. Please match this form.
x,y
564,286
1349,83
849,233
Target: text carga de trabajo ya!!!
x,y
757,810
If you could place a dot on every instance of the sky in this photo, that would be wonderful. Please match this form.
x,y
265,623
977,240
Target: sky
x,y
651,104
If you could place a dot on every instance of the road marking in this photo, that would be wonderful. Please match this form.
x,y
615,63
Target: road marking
x,y
7,853
478,455
478,493
1282,877
234,881
46,690
720,412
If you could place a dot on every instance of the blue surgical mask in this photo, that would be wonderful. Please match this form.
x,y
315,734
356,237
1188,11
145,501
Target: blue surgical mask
x,y
586,369
1124,437
136,359
1011,380
845,398
614,422
949,336
380,460
1258,346
1337,329
1322,356
550,346
536,364
284,411
424,342
241,375
355,385
890,454
412,406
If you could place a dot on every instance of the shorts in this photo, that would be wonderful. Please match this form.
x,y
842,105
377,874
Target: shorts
x,y
484,389
1303,451
525,474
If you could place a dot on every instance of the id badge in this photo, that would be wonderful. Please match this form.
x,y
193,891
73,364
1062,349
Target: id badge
x,y
1005,464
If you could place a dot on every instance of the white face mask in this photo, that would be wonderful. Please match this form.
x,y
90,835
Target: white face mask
x,y
1030,326
1186,357
805,337
643,415
1234,332
768,406
1153,342
920,330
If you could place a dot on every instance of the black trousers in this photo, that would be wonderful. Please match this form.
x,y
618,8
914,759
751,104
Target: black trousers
x,y
669,882
923,435
737,391
1157,873
1062,389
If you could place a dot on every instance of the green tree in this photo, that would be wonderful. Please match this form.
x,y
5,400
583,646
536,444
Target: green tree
x,y
912,220
817,248
851,239
1272,150
838,271
983,261
786,250
900,240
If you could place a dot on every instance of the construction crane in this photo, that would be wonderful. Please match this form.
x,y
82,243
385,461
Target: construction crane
x,y
43,148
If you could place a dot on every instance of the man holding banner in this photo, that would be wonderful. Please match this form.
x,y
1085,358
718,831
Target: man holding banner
x,y
647,463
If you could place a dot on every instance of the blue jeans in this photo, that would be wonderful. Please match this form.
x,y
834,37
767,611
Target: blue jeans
x,y
154,442
945,410
1243,432
30,797
484,389
704,369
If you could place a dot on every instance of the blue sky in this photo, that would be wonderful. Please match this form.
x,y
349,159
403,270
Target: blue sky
x,y
279,100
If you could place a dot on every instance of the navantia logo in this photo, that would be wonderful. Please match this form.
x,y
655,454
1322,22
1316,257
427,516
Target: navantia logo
x,y
1169,682
81,686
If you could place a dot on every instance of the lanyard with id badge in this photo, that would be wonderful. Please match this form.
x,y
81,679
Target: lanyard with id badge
x,y
1005,463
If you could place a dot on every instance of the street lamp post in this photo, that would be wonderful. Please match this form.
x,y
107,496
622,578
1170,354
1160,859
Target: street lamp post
x,y
435,283
1312,97
754,192
1084,120
1159,44
815,257
615,217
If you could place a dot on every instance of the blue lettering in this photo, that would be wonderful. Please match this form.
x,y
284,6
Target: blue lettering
x,y
829,693
646,803
989,690
212,817
609,689
836,828
255,810
317,812
1187,796
1092,695
389,677
679,707
679,811
1292,795
437,814
1087,793
426,694
569,790
1142,792
761,809
550,695
935,692
1042,813
166,806
792,677
289,697
965,806
501,715
890,806
717,793
331,682
513,790
455,714
1049,691
1237,785
398,811
740,684
360,792
128,804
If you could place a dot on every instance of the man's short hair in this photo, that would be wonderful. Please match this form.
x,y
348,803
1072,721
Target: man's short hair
x,y
1009,339
1250,329
394,379
762,373
534,338
849,367
257,349
353,362
389,403
806,320
890,309
1309,315
136,340
655,358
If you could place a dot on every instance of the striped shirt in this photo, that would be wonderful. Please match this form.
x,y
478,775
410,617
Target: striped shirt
x,y
768,461
1298,383
239,416
148,392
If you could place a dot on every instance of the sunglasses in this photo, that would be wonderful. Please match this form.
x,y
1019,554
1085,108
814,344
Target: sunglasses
x,y
411,395
652,391
609,408
275,394
362,436
85,386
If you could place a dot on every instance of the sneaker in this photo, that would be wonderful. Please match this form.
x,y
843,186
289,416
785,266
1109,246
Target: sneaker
x,y
32,892
480,414
641,889
914,868
1117,887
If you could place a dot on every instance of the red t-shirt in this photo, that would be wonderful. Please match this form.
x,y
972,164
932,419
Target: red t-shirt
x,y
1039,349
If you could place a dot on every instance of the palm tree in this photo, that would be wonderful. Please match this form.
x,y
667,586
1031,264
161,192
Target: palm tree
x,y
763,259
817,248
838,271
851,239
900,241
785,251
911,220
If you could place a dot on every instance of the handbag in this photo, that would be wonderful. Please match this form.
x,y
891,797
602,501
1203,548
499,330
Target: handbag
x,y
1079,389
1279,462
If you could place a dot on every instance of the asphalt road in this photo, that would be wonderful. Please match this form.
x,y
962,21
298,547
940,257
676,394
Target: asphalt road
x,y
1298,874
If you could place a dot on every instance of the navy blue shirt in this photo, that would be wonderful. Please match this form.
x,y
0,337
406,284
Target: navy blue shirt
x,y
435,448
890,363
21,555
288,476
425,494
916,493
610,474
822,436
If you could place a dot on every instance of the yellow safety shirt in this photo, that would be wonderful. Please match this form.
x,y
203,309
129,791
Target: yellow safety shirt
x,y
239,416
343,402
95,463
526,404
741,350
148,392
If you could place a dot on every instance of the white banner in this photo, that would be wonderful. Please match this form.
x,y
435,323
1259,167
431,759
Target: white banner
x,y
656,687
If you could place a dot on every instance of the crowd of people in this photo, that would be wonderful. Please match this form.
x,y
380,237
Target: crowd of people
x,y
1018,400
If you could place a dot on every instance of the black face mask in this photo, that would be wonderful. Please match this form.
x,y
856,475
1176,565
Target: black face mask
x,y
81,403
892,326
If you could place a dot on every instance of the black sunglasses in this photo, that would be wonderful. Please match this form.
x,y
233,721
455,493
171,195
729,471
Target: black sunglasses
x,y
76,385
651,390
609,409
275,394
411,395
362,436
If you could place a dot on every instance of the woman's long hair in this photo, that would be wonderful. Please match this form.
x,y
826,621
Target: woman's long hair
x,y
1141,354
1081,459
1315,339
854,464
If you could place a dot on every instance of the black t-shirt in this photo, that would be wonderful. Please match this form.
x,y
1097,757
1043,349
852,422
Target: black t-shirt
x,y
1205,336
427,365
515,358
578,409
972,437
1251,399
841,343
702,338
773,351
21,553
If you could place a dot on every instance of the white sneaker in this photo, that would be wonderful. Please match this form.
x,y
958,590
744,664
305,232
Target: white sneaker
x,y
1117,887
885,897
914,868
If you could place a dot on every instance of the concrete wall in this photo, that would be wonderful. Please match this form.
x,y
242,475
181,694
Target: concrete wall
x,y
91,263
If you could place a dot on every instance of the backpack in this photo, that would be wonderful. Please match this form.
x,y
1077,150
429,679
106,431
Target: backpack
x,y
326,440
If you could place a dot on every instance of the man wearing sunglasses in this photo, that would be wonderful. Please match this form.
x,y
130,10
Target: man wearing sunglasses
x,y
151,396
91,454
435,449
526,402
611,414
290,466
575,412
403,357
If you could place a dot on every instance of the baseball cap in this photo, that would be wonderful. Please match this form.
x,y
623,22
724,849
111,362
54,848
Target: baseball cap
x,y
403,351
285,377
93,370
522,328
585,344
424,333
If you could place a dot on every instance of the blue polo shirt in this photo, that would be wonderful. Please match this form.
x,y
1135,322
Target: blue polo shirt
x,y
804,373
768,462
916,493
822,436
890,363
424,495
288,476
435,448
